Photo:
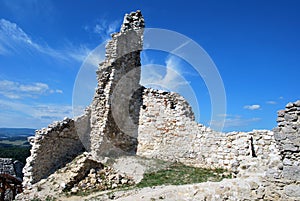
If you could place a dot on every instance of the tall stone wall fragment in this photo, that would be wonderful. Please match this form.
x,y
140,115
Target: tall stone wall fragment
x,y
118,79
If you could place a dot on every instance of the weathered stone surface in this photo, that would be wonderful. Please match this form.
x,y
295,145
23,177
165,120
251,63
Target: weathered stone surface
x,y
289,105
291,172
113,132
101,179
292,191
7,166
289,117
173,135
83,128
62,179
287,136
52,148
11,167
281,113
235,189
133,21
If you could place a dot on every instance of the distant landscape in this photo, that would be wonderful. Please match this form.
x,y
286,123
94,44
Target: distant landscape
x,y
16,132
14,143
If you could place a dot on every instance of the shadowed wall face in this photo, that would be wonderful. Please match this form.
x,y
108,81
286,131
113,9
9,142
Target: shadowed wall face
x,y
113,128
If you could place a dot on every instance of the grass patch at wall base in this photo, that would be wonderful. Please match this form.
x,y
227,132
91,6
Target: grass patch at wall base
x,y
179,174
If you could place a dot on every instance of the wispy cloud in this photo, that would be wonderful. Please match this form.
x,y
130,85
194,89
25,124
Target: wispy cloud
x,y
104,28
238,121
168,77
13,39
15,90
11,35
271,102
252,107
32,115
235,121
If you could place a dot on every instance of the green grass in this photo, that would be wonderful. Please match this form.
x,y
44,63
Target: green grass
x,y
179,174
167,174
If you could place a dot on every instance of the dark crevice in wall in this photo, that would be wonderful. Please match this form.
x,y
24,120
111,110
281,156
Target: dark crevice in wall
x,y
253,154
172,105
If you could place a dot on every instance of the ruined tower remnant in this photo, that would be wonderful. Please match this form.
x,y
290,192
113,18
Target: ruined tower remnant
x,y
125,118
118,79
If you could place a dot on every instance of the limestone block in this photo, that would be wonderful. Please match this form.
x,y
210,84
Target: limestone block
x,y
291,172
292,191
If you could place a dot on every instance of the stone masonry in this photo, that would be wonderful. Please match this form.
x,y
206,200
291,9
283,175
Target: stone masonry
x,y
285,181
126,118
167,131
287,136
52,148
8,166
118,79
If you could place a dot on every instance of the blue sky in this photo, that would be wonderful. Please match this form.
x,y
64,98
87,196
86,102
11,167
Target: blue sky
x,y
255,46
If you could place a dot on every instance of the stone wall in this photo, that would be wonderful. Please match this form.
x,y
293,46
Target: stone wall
x,y
112,132
267,160
11,167
52,148
165,119
83,128
167,131
287,135
284,181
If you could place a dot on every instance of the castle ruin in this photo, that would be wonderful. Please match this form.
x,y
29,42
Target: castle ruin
x,y
128,119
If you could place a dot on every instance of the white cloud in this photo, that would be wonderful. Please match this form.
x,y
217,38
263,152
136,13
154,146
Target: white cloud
x,y
10,34
36,88
78,53
235,121
271,102
173,73
32,115
238,122
13,39
104,28
252,107
15,90
59,91
169,77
